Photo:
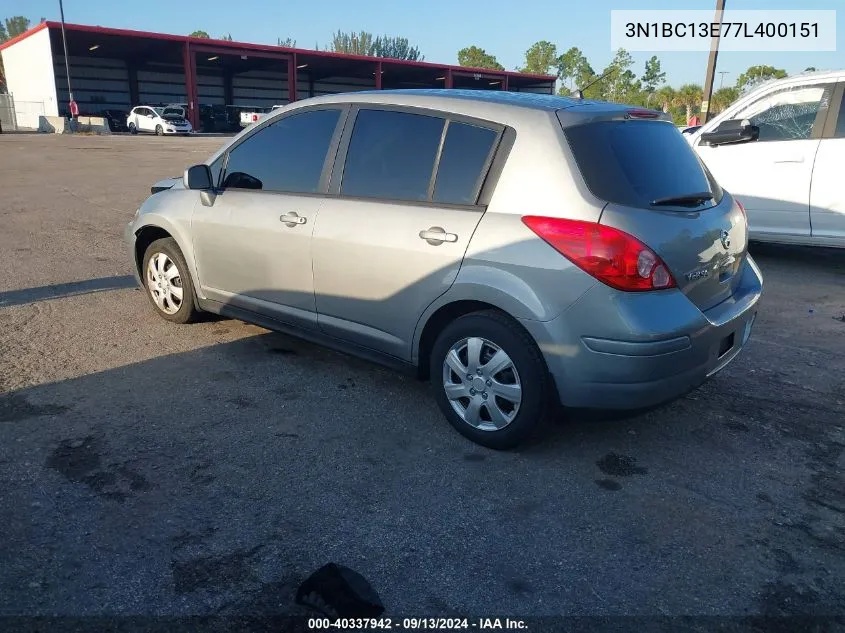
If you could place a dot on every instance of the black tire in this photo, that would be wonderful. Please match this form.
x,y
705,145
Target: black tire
x,y
133,129
536,405
187,312
159,130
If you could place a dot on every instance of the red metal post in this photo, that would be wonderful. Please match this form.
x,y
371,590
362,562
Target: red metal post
x,y
378,75
448,82
293,74
189,61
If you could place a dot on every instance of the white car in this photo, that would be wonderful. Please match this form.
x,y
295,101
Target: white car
x,y
780,150
157,120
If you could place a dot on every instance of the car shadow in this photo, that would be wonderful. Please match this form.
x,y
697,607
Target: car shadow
x,y
60,291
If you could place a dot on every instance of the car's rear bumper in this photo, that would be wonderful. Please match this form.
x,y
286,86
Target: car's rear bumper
x,y
613,350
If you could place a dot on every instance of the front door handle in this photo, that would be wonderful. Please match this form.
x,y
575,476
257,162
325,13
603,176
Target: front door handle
x,y
292,219
789,159
437,235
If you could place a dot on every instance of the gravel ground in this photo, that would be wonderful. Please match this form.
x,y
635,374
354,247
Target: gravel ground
x,y
154,469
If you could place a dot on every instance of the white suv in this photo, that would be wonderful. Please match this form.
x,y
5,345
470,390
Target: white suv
x,y
779,150
157,120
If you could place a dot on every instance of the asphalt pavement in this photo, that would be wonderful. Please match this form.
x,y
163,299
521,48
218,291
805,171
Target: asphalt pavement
x,y
153,469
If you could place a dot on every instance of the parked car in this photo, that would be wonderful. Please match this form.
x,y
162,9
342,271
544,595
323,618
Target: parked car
x,y
780,151
116,120
154,119
532,250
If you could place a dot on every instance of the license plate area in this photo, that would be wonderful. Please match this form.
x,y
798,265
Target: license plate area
x,y
726,344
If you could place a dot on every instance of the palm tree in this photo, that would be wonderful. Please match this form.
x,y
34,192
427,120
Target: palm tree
x,y
665,97
689,96
722,98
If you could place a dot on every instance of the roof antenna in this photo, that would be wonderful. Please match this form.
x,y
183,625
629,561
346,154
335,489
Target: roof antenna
x,y
578,93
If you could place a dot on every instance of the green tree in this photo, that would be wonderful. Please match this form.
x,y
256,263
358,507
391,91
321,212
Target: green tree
x,y
654,76
396,48
476,57
574,69
352,43
4,35
541,59
619,83
289,43
758,74
689,97
200,34
16,25
810,69
227,37
722,98
664,98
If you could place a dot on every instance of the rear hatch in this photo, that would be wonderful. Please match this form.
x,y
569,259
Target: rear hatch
x,y
658,190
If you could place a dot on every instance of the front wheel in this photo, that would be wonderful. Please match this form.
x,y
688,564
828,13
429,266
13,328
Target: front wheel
x,y
490,380
168,282
159,130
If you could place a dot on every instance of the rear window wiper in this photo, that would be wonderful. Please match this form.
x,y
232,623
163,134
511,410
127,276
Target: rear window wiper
x,y
688,198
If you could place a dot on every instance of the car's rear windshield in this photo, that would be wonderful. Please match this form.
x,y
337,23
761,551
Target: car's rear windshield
x,y
637,163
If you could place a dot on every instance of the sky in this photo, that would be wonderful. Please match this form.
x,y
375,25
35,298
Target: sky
x,y
440,28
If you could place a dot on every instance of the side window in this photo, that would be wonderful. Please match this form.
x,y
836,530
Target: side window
x,y
788,115
216,167
840,123
391,155
463,163
287,156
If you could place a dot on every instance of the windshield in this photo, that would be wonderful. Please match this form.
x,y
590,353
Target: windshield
x,y
636,163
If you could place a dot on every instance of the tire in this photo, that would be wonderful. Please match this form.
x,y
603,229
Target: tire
x,y
159,130
161,288
514,422
133,129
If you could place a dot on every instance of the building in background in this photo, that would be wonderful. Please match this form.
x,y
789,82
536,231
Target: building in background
x,y
116,69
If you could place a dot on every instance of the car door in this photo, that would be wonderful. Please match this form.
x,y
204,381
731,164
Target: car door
x,y
771,175
253,243
827,201
146,121
393,237
138,115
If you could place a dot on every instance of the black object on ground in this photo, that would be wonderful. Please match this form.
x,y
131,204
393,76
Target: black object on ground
x,y
338,591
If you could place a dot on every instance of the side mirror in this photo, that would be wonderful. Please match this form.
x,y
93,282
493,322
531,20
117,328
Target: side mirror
x,y
731,132
198,177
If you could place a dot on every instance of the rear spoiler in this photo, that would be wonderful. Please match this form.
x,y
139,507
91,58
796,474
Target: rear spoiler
x,y
611,114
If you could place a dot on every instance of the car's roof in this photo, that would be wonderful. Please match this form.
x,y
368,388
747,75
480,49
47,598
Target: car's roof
x,y
446,99
800,78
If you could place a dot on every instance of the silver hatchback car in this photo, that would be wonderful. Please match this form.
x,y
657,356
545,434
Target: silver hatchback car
x,y
520,251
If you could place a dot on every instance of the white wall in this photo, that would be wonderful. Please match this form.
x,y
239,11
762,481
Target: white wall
x,y
30,78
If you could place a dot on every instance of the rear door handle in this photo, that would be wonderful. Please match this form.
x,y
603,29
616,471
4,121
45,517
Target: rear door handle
x,y
292,219
789,159
437,235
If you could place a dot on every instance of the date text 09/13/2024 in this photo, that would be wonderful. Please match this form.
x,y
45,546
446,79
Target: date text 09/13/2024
x,y
412,624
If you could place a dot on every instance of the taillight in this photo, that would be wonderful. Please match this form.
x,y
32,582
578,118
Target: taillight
x,y
610,255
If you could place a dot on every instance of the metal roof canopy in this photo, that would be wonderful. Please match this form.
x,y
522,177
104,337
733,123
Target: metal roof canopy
x,y
144,45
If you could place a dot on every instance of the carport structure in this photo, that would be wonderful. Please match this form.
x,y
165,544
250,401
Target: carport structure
x,y
118,68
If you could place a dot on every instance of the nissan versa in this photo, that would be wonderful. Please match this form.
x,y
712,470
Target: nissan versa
x,y
517,250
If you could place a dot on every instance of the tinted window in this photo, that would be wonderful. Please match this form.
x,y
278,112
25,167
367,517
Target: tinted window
x,y
840,123
285,156
391,155
787,115
638,162
463,163
215,168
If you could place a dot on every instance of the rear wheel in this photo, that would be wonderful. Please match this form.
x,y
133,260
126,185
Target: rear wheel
x,y
159,130
133,129
490,380
168,282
